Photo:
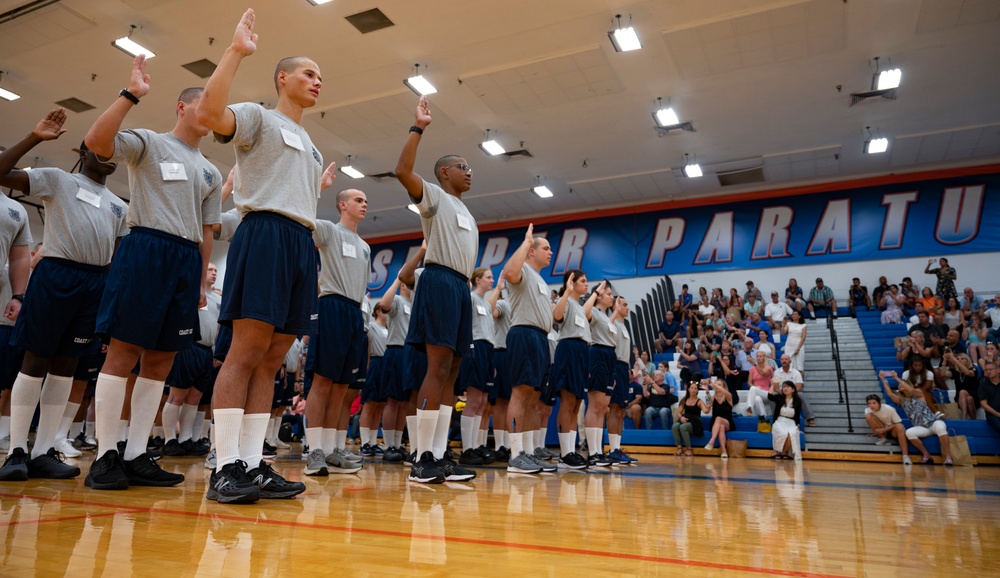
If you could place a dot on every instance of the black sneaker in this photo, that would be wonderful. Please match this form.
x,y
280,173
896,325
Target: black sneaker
x,y
121,447
81,442
107,473
154,443
450,454
471,457
599,461
173,449
392,455
15,467
411,458
269,451
425,470
487,454
454,472
51,466
572,461
502,454
271,485
194,448
378,450
367,451
230,485
144,471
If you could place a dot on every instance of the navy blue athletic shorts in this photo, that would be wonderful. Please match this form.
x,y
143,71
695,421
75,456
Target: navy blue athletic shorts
x,y
192,368
392,374
477,369
338,351
89,367
372,388
442,311
548,394
527,356
569,372
11,358
501,387
414,368
60,309
151,299
222,342
601,361
621,384
271,272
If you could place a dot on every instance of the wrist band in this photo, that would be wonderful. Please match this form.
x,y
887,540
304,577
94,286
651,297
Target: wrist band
x,y
18,296
124,92
416,129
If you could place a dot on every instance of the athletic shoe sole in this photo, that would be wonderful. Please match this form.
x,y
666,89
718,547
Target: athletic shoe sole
x,y
249,498
116,485
319,472
431,480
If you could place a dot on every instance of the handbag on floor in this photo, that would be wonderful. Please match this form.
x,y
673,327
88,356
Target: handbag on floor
x,y
763,426
950,410
960,454
736,448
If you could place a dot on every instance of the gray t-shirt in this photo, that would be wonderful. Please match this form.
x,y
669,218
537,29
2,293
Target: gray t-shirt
x,y
574,322
482,319
451,231
529,300
398,320
377,337
229,220
502,324
344,261
82,218
14,230
602,331
208,319
174,187
279,168
292,357
623,342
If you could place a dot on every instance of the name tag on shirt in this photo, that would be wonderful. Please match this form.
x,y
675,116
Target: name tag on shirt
x,y
365,307
611,326
89,197
291,139
579,321
173,172
350,251
406,309
464,222
543,288
481,309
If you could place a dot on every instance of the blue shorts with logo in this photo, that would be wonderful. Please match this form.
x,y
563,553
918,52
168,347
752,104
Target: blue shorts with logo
x,y
477,369
601,368
569,372
222,342
392,381
501,387
527,356
621,384
442,311
338,350
372,388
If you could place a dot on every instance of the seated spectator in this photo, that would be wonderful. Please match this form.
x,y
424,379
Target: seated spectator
x,y
785,423
975,336
751,290
858,296
719,301
722,416
683,304
970,302
921,379
959,367
689,362
931,302
715,321
923,419
910,292
776,312
788,373
710,344
760,384
993,315
724,364
952,316
646,362
735,305
754,325
744,361
687,419
793,295
659,398
669,334
885,421
933,334
989,394
763,345
821,297
882,289
698,316
634,398
992,352
891,302
732,330
751,305
946,276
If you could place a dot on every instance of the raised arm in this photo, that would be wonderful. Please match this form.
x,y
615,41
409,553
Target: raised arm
x,y
559,310
588,305
212,111
888,390
407,273
385,303
495,296
101,136
49,128
410,180
512,270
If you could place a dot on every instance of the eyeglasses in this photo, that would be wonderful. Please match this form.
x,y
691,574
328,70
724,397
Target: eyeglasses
x,y
462,167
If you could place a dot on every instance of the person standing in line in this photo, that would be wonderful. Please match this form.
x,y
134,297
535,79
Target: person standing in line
x,y
620,397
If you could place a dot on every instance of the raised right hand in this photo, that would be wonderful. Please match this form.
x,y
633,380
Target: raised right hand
x,y
51,127
138,83
423,116
244,40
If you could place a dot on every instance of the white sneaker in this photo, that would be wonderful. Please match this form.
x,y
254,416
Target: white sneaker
x,y
65,447
280,444
882,442
91,440
709,446
4,444
907,461
210,460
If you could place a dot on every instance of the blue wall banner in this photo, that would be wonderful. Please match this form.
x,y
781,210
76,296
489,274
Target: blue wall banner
x,y
909,219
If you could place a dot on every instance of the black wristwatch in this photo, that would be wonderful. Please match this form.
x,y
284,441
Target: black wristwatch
x,y
19,297
133,98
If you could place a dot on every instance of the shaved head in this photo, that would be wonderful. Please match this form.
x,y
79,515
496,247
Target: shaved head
x,y
287,65
444,162
188,95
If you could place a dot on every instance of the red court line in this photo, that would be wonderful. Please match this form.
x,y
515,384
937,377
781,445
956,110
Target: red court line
x,y
47,520
446,539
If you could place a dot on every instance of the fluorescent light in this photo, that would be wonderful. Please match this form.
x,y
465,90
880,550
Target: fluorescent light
x,y
693,171
413,208
542,191
492,147
889,79
624,39
129,46
876,145
352,172
666,117
318,2
8,95
420,85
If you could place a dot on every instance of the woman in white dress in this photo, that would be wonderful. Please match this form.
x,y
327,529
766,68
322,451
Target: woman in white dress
x,y
785,427
796,340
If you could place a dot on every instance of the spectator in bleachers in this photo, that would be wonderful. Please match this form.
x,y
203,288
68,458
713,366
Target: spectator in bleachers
x,y
878,292
710,344
735,304
946,276
992,350
910,292
687,418
989,394
719,301
931,302
785,423
732,330
776,312
646,362
922,417
669,334
722,416
690,362
715,321
760,384
821,296
858,296
993,314
751,290
683,304
723,364
763,344
975,336
891,302
699,316
795,343
921,378
959,367
793,295
914,346
788,373
953,316
744,361
634,398
659,398
970,302
752,305
933,334
754,324
885,422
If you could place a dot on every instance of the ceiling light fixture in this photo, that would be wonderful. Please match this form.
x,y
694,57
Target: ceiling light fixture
x,y
131,47
418,84
692,170
351,171
491,146
666,119
540,189
318,2
874,146
6,94
624,39
884,84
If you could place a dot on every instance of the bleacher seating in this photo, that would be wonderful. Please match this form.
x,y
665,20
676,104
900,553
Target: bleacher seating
x,y
746,429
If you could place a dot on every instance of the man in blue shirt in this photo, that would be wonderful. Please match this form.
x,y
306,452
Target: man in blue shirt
x,y
670,333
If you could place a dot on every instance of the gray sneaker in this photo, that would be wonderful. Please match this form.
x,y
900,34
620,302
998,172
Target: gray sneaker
x,y
336,463
210,460
316,464
541,453
544,465
883,442
523,464
550,455
349,455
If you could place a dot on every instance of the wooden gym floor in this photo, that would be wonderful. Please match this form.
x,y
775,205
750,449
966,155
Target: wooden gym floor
x,y
667,516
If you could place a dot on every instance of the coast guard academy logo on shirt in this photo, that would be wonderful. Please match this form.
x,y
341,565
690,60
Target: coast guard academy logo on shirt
x,y
117,210
208,176
14,214
316,156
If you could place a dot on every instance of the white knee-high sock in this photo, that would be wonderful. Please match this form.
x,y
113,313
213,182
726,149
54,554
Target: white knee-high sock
x,y
228,428
441,431
329,439
24,398
540,437
476,432
468,425
109,397
55,394
145,400
595,444
67,420
500,438
4,426
171,415
199,421
567,443
204,424
427,420
411,429
341,439
314,437
187,419
252,432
